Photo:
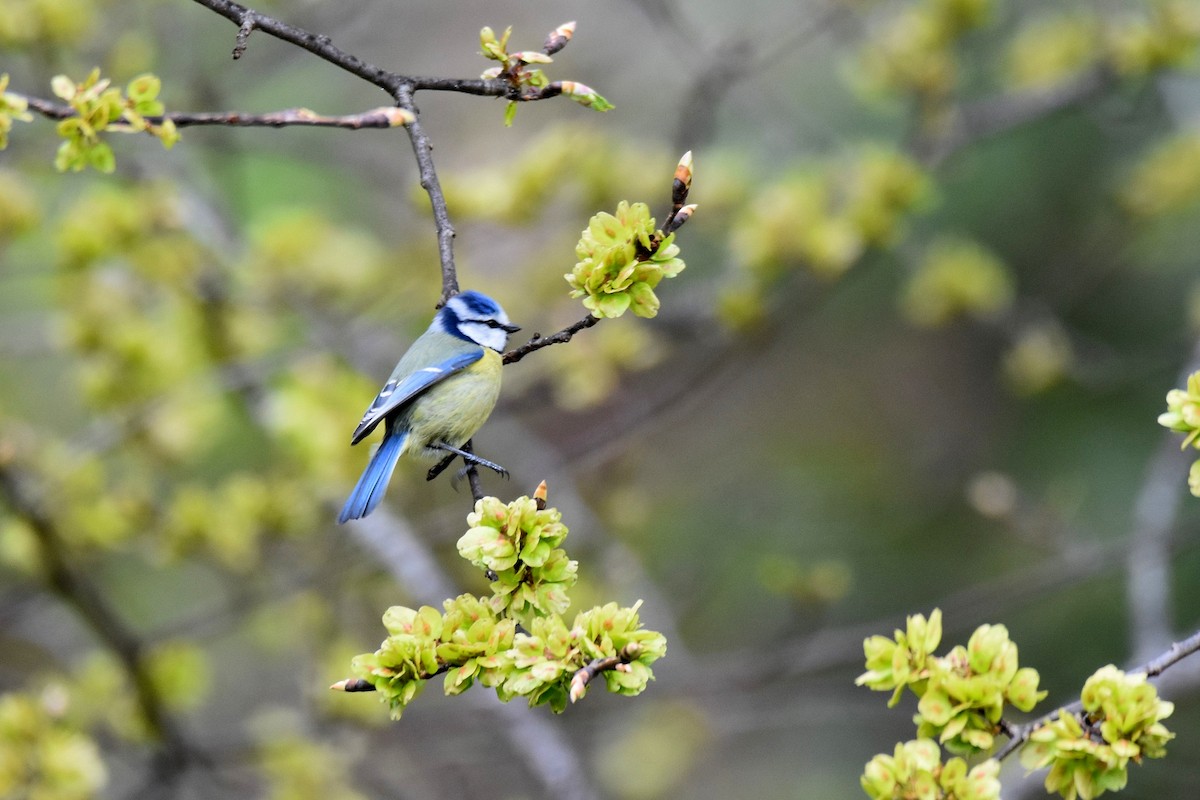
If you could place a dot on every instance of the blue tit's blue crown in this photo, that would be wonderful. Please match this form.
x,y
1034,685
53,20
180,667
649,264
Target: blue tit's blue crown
x,y
479,305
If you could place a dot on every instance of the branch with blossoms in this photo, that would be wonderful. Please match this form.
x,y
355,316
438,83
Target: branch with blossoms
x,y
1088,745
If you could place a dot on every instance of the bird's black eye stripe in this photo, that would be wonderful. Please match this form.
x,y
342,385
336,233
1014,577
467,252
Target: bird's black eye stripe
x,y
491,323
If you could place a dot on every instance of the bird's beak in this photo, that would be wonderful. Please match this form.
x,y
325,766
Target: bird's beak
x,y
510,328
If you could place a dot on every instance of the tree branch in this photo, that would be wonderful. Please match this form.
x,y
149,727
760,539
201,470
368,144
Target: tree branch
x,y
401,88
249,20
423,151
1152,669
538,341
383,117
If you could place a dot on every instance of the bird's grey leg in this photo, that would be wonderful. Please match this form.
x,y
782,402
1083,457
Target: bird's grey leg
x,y
470,458
440,467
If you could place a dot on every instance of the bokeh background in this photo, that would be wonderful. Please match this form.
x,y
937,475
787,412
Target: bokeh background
x,y
942,276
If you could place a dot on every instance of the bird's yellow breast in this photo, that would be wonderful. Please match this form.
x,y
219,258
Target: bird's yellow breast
x,y
453,410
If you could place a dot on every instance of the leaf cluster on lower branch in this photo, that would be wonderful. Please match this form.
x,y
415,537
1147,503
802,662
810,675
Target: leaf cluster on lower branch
x,y
1088,746
516,641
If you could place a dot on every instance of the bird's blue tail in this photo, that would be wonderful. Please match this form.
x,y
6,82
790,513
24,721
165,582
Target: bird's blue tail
x,y
371,486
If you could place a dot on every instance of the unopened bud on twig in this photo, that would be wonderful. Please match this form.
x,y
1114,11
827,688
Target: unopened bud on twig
x,y
683,180
584,95
397,117
539,496
531,57
557,39
679,217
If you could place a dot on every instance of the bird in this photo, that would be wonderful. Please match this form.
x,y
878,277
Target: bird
x,y
440,393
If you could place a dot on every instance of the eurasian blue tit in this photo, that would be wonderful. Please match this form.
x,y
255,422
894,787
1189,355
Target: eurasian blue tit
x,y
437,397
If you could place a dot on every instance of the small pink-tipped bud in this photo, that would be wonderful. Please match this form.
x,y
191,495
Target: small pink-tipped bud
x,y
576,89
578,686
557,39
539,496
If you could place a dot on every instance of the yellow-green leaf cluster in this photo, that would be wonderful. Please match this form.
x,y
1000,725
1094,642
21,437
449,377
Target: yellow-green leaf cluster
x,y
44,23
41,754
1040,356
957,277
894,663
296,768
1167,179
963,693
12,107
915,51
915,770
99,107
1052,48
824,218
518,545
467,643
1183,415
622,258
478,638
1165,36
1089,753
545,659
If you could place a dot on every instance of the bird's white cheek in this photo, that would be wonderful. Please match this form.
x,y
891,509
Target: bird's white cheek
x,y
485,335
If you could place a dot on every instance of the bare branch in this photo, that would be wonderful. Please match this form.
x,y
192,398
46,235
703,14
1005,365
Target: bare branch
x,y
423,151
538,341
321,46
1020,733
382,117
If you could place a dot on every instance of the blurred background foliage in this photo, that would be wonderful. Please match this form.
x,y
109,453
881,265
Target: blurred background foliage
x,y
942,275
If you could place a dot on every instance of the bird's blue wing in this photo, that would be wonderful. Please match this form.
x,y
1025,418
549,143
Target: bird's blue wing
x,y
399,391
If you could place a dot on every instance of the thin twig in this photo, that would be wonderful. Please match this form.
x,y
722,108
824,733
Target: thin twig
x,y
585,675
538,341
321,46
383,117
1174,654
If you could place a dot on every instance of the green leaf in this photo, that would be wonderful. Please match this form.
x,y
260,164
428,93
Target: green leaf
x,y
63,87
